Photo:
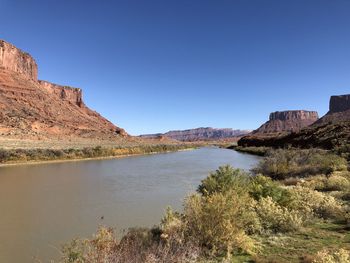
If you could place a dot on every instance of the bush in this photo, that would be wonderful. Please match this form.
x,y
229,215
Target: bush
x,y
262,187
172,225
337,183
334,182
281,164
137,246
337,256
99,249
218,221
276,218
313,203
224,179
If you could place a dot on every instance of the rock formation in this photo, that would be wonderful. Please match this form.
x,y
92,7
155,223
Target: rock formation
x,y
339,103
339,110
35,109
13,59
287,121
329,132
199,134
73,95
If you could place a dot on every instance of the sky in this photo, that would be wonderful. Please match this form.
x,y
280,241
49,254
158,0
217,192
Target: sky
x,y
156,65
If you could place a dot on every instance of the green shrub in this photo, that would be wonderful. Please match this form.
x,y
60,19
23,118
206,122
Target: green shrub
x,y
217,221
225,178
262,187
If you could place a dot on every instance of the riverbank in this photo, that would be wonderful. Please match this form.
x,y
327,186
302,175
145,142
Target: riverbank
x,y
41,156
260,151
294,210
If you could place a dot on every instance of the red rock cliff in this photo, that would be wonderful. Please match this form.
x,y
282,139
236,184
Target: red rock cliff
x,y
287,121
339,110
73,95
39,109
14,59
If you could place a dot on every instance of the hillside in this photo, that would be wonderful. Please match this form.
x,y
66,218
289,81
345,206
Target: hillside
x,y
39,110
199,134
332,131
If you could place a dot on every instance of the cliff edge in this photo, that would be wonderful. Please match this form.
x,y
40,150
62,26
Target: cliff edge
x,y
37,109
287,121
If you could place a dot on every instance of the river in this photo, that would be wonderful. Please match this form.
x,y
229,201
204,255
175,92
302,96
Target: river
x,y
43,206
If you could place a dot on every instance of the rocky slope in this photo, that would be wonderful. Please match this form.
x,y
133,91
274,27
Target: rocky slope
x,y
199,134
332,131
339,110
34,109
287,121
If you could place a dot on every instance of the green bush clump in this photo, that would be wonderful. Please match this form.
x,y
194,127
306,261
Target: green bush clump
x,y
262,187
225,178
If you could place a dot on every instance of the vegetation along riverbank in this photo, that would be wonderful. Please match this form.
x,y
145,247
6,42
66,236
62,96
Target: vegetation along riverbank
x,y
294,209
25,156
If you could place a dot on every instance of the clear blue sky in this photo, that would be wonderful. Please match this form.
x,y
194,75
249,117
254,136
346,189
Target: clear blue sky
x,y
152,66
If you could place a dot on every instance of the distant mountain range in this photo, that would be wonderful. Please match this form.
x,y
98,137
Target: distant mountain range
x,y
199,134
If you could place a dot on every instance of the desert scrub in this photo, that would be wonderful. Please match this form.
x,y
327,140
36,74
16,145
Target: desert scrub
x,y
335,256
218,222
313,203
275,218
23,155
283,163
137,246
260,151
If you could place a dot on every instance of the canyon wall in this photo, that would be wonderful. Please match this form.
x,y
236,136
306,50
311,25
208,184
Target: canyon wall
x,y
14,59
339,110
339,103
37,109
73,95
287,121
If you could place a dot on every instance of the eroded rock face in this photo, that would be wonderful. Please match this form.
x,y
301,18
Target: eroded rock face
x,y
200,134
329,132
339,103
14,59
73,95
33,109
339,110
287,121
